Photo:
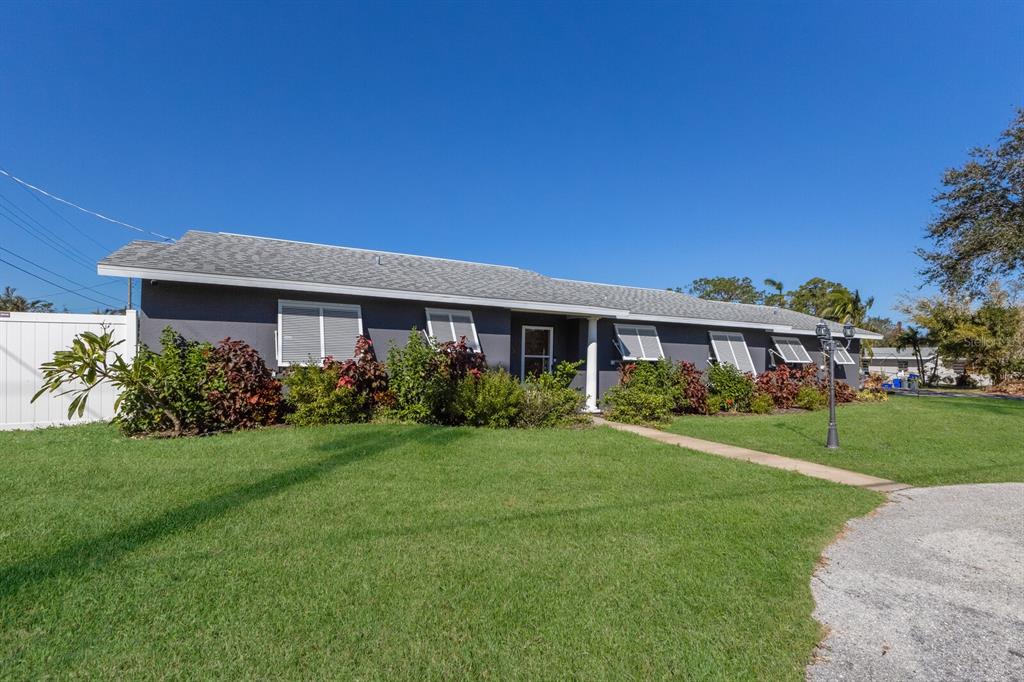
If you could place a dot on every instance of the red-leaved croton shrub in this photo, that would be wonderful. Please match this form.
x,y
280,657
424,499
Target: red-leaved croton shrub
x,y
363,373
458,360
782,384
246,394
695,391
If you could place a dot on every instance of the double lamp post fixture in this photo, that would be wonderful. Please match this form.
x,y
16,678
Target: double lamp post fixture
x,y
828,346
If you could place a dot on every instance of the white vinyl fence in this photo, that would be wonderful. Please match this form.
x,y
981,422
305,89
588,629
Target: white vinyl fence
x,y
27,340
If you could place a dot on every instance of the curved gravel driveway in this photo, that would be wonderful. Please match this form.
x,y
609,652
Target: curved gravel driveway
x,y
930,586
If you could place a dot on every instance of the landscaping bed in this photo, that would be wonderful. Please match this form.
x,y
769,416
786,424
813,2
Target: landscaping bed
x,y
404,552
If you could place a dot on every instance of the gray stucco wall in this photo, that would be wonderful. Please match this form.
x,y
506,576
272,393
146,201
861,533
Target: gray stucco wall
x,y
210,313
692,343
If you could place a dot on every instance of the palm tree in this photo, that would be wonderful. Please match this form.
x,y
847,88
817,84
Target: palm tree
x,y
911,337
16,303
776,298
847,307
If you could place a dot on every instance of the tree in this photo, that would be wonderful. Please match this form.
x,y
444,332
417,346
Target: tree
x,y
884,326
851,308
987,335
979,232
774,294
819,297
913,338
730,289
16,303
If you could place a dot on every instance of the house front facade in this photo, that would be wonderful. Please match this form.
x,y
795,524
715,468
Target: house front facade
x,y
297,302
893,362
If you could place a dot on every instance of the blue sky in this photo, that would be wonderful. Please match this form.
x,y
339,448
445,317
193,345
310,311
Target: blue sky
x,y
634,144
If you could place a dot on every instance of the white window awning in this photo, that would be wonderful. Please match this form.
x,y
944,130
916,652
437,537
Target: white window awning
x,y
731,347
842,356
448,326
638,342
791,350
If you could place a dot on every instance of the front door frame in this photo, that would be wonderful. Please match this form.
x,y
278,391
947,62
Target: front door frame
x,y
522,348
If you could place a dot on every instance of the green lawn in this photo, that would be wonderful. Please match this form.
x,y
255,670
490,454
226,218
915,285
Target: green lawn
x,y
404,552
920,441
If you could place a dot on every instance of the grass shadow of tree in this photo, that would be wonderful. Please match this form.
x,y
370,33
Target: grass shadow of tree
x,y
96,552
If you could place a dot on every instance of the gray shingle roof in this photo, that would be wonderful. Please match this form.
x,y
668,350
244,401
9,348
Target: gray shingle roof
x,y
222,254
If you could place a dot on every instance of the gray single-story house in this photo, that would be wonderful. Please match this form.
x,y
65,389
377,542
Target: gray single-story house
x,y
297,301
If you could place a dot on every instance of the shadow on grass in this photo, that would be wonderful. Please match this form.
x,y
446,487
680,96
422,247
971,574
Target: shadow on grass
x,y
94,553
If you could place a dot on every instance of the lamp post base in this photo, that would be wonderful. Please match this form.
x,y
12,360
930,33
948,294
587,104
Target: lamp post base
x,y
832,442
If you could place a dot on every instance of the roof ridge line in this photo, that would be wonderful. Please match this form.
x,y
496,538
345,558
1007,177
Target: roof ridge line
x,y
371,251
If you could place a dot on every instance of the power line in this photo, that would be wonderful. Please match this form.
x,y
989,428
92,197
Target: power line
x,y
85,210
70,224
13,206
66,251
64,289
92,288
44,269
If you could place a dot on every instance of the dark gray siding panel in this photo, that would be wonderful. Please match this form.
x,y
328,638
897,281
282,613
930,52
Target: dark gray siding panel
x,y
210,313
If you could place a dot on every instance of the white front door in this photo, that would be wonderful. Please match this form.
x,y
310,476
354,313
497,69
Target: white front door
x,y
537,346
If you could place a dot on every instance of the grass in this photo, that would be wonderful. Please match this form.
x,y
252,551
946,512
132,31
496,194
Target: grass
x,y
404,552
919,441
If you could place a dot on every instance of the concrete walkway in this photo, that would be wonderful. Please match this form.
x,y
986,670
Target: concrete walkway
x,y
763,458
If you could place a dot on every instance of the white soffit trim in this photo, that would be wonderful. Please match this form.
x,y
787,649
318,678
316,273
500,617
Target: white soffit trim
x,y
290,285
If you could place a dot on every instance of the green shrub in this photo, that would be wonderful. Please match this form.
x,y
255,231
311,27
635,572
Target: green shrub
x,y
762,403
493,399
636,405
716,403
315,397
167,391
412,379
550,400
867,395
810,398
734,388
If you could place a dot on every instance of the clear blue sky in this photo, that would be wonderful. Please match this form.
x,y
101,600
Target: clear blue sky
x,y
644,145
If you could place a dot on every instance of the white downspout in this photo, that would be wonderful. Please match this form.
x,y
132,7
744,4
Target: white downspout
x,y
591,364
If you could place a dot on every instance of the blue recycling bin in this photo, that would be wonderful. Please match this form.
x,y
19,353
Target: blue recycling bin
x,y
897,383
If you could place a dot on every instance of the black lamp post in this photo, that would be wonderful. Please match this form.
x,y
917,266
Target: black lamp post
x,y
828,346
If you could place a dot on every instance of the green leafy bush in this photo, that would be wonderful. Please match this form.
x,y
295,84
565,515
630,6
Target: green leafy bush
x,y
734,389
867,395
315,397
637,405
810,398
762,403
412,378
550,400
493,399
424,380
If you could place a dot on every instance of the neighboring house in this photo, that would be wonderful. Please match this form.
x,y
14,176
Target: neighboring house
x,y
890,361
296,301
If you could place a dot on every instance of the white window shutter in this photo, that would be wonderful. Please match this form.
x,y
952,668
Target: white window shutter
x,y
463,324
300,334
648,338
341,328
